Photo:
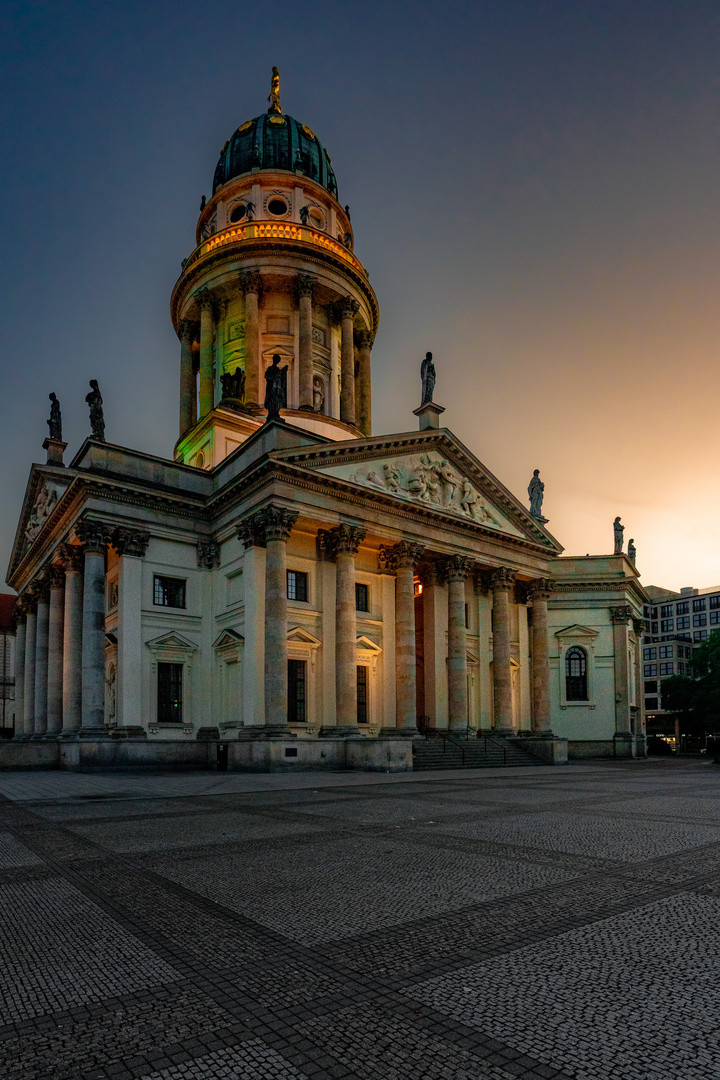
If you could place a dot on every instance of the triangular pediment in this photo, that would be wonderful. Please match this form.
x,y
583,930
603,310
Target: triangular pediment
x,y
299,633
171,641
363,642
430,470
44,491
577,630
228,639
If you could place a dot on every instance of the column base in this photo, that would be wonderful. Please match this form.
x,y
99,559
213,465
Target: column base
x,y
69,733
93,733
266,731
340,731
400,733
503,733
51,735
545,733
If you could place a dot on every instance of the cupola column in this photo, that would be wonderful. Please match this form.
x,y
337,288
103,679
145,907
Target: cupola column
x,y
502,581
347,309
457,568
305,288
250,287
204,299
188,392
363,393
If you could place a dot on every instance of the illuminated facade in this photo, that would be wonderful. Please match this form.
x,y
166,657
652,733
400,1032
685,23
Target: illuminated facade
x,y
292,590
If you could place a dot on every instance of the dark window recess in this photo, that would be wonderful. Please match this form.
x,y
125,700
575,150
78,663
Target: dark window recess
x,y
715,601
237,213
297,692
297,585
651,703
700,620
467,616
665,625
683,622
576,674
362,695
169,694
651,686
682,609
654,628
277,207
169,592
362,602
291,751
699,605
666,611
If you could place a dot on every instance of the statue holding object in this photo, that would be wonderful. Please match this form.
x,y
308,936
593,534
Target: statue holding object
x,y
536,490
427,375
97,417
55,421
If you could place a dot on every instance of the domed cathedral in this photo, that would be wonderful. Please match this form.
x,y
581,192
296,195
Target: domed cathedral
x,y
287,590
273,274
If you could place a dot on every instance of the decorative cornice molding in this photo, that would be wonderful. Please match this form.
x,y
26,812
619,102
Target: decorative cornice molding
x,y
208,554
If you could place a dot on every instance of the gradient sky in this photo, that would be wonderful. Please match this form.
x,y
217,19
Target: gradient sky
x,y
534,190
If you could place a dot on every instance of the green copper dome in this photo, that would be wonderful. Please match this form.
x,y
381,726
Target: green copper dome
x,y
275,141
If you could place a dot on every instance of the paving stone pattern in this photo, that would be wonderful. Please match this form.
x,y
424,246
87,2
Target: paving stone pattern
x,y
491,924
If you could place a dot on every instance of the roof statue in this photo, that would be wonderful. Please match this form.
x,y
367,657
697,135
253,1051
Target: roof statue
x,y
536,490
618,530
275,388
55,421
274,96
97,418
427,374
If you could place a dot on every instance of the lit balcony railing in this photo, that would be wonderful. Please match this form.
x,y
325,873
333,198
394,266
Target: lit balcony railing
x,y
274,230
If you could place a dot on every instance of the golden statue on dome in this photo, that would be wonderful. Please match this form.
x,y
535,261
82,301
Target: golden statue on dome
x,y
274,97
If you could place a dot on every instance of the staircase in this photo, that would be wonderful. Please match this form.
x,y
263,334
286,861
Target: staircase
x,y
438,751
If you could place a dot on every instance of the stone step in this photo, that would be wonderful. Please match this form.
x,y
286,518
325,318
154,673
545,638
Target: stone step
x,y
437,752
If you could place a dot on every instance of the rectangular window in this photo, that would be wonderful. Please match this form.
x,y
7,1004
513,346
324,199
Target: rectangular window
x,y
297,692
666,611
654,628
699,605
297,585
646,612
714,602
699,620
649,670
169,591
170,688
665,625
714,618
649,654
664,651
467,617
651,686
682,609
362,600
666,669
700,635
654,613
362,694
651,703
681,668
683,622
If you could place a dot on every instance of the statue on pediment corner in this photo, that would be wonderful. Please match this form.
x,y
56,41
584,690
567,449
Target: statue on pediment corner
x,y
55,421
618,531
427,376
536,490
97,418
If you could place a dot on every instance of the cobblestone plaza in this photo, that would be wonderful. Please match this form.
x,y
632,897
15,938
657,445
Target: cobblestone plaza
x,y
530,923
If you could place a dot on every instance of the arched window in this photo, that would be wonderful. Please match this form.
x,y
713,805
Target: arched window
x,y
576,685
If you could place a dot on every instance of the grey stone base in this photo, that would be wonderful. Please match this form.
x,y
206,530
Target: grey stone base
x,y
546,748
399,733
338,731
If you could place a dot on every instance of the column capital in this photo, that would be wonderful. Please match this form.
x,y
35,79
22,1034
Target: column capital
x,y
130,541
70,556
305,285
95,535
365,339
621,614
639,626
40,588
186,331
208,554
457,567
343,539
346,307
249,281
397,556
21,608
502,578
540,589
269,523
204,299
56,577
429,574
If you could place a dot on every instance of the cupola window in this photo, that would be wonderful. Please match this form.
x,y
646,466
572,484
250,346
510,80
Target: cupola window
x,y
238,212
277,207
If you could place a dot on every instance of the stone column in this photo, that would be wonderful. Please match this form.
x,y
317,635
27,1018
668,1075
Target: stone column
x,y
20,628
188,394
41,659
207,392
72,560
342,544
639,629
434,596
347,309
274,524
457,568
403,558
253,707
55,651
131,545
502,582
29,680
623,739
540,592
305,289
250,287
364,398
94,535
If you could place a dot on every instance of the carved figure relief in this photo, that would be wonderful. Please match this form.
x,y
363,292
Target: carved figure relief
x,y
110,693
42,508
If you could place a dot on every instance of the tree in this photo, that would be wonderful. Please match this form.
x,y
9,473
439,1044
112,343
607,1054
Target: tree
x,y
696,697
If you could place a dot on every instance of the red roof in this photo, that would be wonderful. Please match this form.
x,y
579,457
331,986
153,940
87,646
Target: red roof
x,y
7,612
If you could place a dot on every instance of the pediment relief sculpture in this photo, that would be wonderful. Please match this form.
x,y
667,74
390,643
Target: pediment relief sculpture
x,y
43,507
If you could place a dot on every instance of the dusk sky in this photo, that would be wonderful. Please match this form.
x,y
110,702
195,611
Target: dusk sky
x,y
534,187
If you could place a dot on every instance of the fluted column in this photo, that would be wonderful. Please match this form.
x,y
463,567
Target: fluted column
x,y
502,582
540,591
305,288
20,628
435,674
188,395
253,570
29,680
94,535
363,392
55,651
342,544
207,395
347,309
41,659
131,545
403,558
457,568
72,561
250,287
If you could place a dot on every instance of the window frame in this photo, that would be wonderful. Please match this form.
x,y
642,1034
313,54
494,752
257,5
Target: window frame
x,y
360,589
158,579
299,577
576,653
177,668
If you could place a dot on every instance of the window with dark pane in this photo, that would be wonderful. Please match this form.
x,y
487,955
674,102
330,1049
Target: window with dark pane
x,y
170,688
169,591
361,597
297,585
362,694
576,674
297,692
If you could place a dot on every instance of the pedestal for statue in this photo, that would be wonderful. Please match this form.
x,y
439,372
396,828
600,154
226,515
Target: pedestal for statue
x,y
55,450
429,415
